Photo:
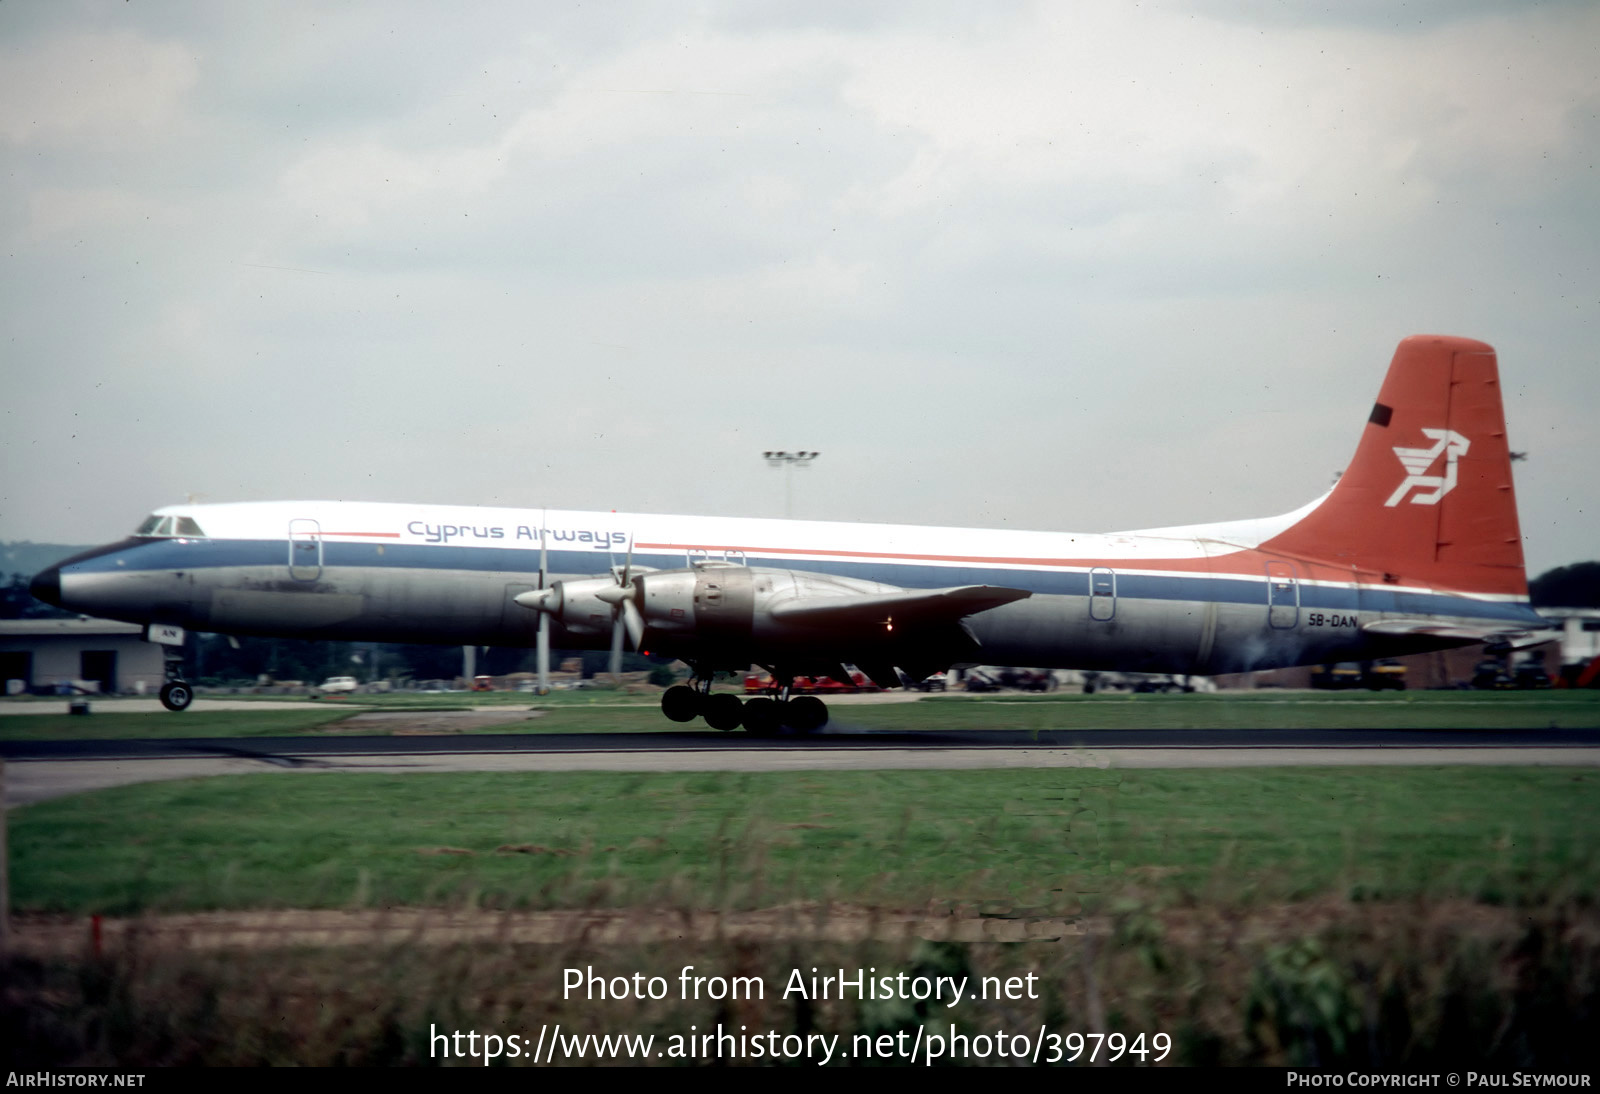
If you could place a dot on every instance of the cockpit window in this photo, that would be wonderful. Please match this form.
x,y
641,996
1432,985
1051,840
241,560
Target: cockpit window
x,y
157,525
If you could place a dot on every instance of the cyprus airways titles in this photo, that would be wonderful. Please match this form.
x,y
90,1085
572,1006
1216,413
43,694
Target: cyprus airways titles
x,y
1416,547
445,533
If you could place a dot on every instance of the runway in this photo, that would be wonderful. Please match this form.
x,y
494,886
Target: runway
x,y
669,741
38,770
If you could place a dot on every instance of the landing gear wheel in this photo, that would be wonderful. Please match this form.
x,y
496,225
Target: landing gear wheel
x,y
176,695
724,711
762,717
806,713
681,704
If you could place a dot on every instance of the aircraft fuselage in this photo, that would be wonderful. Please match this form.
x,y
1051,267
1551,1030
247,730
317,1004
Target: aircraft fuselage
x,y
397,573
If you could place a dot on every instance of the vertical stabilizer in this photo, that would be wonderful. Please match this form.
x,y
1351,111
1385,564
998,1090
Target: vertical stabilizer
x,y
1427,499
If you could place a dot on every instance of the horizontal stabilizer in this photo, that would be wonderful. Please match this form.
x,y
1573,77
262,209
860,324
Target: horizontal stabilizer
x,y
1465,632
913,605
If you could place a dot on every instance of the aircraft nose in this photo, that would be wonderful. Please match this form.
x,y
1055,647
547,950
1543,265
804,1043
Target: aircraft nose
x,y
46,586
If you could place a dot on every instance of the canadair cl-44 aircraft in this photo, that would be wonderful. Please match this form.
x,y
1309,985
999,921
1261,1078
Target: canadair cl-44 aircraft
x,y
1415,548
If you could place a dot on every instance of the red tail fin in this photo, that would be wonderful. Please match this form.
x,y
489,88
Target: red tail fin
x,y
1428,497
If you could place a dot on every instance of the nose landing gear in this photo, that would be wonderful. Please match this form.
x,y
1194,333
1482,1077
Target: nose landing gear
x,y
176,694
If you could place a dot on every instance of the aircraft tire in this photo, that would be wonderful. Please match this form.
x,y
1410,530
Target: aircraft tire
x,y
724,712
762,717
681,704
176,695
806,713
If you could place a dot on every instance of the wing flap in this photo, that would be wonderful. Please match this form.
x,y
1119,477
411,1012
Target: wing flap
x,y
910,606
1513,638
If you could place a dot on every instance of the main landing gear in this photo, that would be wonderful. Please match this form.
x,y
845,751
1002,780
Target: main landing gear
x,y
761,717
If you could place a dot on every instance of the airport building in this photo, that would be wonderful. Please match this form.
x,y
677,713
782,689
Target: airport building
x,y
1580,633
83,655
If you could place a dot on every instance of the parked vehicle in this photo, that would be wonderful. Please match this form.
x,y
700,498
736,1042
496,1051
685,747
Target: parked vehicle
x,y
1491,675
1386,675
939,681
1340,677
1164,685
1140,682
1531,674
981,681
760,683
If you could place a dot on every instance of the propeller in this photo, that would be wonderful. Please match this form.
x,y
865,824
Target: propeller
x,y
573,602
542,650
626,618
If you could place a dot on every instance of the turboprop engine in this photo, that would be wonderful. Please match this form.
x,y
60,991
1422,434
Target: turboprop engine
x,y
719,615
714,610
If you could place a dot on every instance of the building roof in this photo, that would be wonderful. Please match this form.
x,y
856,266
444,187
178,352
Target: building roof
x,y
65,628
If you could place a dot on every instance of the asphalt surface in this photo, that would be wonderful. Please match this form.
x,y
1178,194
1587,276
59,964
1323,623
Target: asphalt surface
x,y
41,770
710,741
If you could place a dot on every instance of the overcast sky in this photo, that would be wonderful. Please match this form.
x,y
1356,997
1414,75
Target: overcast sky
x,y
1058,266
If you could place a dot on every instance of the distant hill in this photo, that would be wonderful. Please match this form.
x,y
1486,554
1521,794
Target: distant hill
x,y
27,558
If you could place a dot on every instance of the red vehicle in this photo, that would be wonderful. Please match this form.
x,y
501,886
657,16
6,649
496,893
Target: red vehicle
x,y
760,683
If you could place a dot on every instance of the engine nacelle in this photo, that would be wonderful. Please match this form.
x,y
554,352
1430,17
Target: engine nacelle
x,y
732,615
726,607
575,604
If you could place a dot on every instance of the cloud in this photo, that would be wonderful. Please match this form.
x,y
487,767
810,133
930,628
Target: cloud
x,y
349,185
55,211
966,251
93,86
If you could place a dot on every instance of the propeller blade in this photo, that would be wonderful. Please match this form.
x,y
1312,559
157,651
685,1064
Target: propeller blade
x,y
542,648
625,619
544,569
542,653
634,622
616,647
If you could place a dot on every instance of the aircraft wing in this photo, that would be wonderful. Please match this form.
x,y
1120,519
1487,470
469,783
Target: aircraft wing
x,y
1512,638
919,606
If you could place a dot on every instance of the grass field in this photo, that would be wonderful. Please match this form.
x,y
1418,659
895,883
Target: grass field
x,y
609,712
1425,919
102,726
1045,842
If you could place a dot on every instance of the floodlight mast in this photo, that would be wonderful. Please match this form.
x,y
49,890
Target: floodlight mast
x,y
789,461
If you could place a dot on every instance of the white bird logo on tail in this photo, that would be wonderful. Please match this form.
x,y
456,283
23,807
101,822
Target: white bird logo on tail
x,y
1447,443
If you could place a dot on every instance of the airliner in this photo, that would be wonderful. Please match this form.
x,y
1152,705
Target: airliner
x,y
1416,547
